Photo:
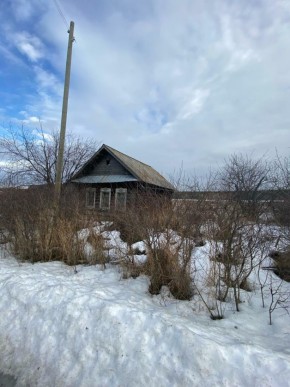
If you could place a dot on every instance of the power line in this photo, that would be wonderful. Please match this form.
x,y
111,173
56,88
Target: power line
x,y
61,13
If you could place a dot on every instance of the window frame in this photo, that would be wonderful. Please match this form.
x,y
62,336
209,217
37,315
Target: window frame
x,y
105,190
90,190
120,191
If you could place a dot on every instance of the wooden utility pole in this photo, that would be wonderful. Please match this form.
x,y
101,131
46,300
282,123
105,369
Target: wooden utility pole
x,y
59,165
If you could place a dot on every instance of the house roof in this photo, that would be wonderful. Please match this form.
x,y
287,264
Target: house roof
x,y
97,179
140,171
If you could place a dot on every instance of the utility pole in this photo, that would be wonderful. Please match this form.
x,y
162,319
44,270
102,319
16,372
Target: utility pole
x,y
59,165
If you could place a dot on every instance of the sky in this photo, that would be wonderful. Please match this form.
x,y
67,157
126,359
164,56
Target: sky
x,y
176,84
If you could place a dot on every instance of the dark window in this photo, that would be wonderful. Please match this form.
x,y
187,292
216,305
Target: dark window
x,y
121,198
105,198
90,197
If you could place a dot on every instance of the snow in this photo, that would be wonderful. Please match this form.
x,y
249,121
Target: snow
x,y
91,327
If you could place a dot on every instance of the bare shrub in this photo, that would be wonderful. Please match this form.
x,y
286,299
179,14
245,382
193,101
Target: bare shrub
x,y
245,178
154,220
262,283
166,270
239,246
169,249
128,224
96,241
37,232
133,268
214,306
66,246
282,264
279,298
239,243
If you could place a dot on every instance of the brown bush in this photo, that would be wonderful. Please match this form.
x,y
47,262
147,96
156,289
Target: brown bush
x,y
97,242
38,232
155,220
282,264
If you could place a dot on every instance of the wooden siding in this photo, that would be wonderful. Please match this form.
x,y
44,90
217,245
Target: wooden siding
x,y
131,194
105,165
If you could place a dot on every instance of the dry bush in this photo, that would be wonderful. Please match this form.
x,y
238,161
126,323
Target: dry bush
x,y
96,240
168,252
170,229
238,247
238,242
37,232
133,269
127,223
281,211
279,297
161,262
282,264
165,269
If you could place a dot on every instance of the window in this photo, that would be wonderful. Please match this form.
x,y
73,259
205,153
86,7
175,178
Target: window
x,y
90,197
105,198
120,198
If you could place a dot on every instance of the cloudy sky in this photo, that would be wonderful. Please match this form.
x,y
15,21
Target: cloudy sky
x,y
173,83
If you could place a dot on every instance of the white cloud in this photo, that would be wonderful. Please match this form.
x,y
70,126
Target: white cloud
x,y
170,81
215,75
47,81
33,119
195,104
29,45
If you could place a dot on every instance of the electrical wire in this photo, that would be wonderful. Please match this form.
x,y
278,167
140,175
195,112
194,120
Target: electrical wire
x,y
61,13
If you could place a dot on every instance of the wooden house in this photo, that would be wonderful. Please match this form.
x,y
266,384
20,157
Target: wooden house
x,y
111,180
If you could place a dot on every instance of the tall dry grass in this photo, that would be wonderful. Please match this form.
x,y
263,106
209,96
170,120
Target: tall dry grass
x,y
37,232
169,233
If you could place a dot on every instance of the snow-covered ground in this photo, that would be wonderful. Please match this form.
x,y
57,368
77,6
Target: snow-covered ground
x,y
91,327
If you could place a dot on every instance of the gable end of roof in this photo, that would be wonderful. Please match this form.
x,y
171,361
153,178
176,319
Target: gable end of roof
x,y
141,171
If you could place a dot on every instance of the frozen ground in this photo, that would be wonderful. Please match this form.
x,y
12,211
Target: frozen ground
x,y
92,328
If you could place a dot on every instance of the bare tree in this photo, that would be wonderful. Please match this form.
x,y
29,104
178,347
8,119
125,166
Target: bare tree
x,y
279,298
262,283
245,177
235,230
281,182
242,173
281,172
29,156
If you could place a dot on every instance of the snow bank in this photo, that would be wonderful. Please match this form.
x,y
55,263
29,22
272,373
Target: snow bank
x,y
91,328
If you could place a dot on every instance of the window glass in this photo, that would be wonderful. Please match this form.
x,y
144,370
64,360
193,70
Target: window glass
x,y
90,197
105,198
121,198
